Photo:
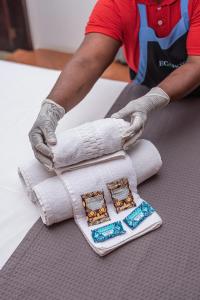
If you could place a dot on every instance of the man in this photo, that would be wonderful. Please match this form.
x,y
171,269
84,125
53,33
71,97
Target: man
x,y
162,48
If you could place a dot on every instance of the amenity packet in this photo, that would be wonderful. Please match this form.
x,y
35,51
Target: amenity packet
x,y
106,232
95,207
121,194
139,214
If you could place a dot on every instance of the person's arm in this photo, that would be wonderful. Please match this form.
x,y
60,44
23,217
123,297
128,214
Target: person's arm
x,y
94,55
183,80
178,84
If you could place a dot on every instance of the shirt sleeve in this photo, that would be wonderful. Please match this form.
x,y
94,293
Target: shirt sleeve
x,y
105,18
193,40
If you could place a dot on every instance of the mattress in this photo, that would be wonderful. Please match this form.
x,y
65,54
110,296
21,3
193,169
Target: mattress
x,y
57,263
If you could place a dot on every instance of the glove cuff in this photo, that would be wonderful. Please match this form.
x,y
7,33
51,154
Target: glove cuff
x,y
58,106
156,98
157,91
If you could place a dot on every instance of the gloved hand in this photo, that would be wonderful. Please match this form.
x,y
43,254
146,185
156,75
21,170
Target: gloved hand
x,y
138,111
42,133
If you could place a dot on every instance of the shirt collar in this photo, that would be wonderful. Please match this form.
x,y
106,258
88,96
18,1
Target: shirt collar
x,y
153,2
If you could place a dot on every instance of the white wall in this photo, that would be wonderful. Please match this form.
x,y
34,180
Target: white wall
x,y
58,24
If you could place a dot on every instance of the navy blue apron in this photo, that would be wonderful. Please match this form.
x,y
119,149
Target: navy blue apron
x,y
160,56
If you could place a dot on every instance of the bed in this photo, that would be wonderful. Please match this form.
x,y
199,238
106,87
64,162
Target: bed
x,y
57,263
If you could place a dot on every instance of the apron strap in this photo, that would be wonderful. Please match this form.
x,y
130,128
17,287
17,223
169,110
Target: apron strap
x,y
143,15
184,12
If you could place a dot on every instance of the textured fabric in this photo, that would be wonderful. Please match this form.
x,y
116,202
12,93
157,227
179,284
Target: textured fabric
x,y
57,263
120,20
88,141
83,180
31,173
146,160
93,161
53,200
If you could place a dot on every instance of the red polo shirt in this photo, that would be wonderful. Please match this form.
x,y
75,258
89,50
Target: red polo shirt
x,y
120,20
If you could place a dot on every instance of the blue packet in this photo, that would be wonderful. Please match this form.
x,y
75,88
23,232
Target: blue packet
x,y
107,232
139,214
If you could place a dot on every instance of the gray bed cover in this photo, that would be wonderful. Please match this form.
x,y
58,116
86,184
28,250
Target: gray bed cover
x,y
57,263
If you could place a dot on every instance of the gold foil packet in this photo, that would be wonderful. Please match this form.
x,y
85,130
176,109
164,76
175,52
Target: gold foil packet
x,y
121,194
95,207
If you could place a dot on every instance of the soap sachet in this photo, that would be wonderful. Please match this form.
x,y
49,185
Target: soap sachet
x,y
138,215
106,232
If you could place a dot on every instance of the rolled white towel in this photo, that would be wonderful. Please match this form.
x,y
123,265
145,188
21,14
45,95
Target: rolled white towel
x,y
88,141
31,173
146,159
53,199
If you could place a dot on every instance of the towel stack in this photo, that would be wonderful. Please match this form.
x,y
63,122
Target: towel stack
x,y
86,158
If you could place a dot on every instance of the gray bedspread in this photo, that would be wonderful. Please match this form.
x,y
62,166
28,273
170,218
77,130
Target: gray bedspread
x,y
57,263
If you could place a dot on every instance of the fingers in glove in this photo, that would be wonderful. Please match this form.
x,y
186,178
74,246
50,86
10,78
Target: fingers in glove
x,y
124,112
132,140
44,150
137,123
37,141
45,161
50,136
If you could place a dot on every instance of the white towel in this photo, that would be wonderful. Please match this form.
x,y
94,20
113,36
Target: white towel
x,y
146,159
59,197
88,141
53,200
31,173
90,162
151,223
95,178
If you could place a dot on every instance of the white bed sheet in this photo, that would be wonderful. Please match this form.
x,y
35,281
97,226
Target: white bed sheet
x,y
22,88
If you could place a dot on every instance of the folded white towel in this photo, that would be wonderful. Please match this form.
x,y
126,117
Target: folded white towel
x,y
93,161
88,141
95,178
54,201
151,223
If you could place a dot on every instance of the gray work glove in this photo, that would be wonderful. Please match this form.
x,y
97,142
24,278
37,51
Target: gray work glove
x,y
138,111
42,133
